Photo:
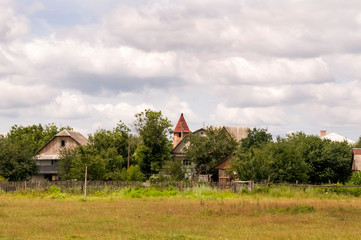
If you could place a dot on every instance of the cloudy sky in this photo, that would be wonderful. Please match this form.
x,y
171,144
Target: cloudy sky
x,y
289,65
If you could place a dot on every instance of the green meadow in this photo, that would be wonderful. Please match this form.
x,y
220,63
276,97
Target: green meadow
x,y
200,213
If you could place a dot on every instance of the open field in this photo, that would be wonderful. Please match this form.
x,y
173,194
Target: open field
x,y
29,216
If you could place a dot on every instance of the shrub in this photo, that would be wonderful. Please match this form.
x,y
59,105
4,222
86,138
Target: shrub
x,y
54,190
134,174
355,179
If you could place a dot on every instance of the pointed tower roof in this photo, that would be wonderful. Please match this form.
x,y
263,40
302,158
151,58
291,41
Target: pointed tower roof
x,y
178,127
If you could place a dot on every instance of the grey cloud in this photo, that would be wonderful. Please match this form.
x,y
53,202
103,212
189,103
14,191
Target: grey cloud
x,y
283,28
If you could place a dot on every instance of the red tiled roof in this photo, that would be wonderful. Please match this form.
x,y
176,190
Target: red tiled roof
x,y
178,127
356,151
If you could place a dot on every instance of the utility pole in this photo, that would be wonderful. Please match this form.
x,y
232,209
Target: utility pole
x,y
129,151
86,173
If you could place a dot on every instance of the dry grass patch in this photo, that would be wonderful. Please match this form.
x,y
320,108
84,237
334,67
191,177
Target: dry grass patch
x,y
179,218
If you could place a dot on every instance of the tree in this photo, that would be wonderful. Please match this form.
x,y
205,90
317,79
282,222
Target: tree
x,y
117,139
87,156
288,165
297,157
34,136
16,160
327,160
254,163
255,138
66,156
154,147
19,147
105,155
358,143
253,160
173,170
209,149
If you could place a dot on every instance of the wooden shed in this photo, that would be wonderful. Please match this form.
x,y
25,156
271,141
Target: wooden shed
x,y
224,174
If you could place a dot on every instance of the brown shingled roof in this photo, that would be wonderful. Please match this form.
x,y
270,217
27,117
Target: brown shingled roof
x,y
75,135
178,127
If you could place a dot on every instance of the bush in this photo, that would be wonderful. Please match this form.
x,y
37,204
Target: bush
x,y
134,174
54,189
355,179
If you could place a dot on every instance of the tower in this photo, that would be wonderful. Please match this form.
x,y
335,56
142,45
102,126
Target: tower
x,y
180,131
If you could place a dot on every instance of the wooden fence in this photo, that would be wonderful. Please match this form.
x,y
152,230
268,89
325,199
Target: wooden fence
x,y
77,186
93,186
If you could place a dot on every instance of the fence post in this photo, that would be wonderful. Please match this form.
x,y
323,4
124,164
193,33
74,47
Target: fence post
x,y
86,173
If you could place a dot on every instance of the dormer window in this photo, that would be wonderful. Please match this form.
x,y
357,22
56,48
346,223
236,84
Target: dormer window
x,y
63,143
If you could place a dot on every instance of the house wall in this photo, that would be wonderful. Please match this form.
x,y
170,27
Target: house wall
x,y
177,138
356,165
54,146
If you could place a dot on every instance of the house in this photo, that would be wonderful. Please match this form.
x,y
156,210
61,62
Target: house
x,y
180,141
48,156
356,159
224,176
334,137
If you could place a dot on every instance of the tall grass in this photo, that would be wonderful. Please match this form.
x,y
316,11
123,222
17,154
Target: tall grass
x,y
245,216
56,192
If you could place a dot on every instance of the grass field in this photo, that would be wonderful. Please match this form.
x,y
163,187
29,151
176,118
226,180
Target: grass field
x,y
291,215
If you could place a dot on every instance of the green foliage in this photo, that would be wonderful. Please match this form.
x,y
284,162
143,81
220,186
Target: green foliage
x,y
253,161
327,160
3,179
211,148
134,174
173,170
55,192
19,146
16,160
117,140
358,143
154,131
66,155
87,157
297,157
34,136
106,155
256,137
288,164
355,179
54,189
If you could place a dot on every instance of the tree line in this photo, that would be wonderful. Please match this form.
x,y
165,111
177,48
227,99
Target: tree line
x,y
106,155
119,154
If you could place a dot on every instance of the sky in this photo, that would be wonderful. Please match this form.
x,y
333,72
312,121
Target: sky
x,y
284,65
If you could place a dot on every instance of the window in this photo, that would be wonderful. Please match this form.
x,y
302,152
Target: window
x,y
179,134
63,143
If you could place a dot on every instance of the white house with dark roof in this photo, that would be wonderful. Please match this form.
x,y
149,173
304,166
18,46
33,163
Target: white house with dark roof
x,y
48,156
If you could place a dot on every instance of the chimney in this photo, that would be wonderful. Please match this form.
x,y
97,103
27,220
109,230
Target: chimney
x,y
182,131
323,133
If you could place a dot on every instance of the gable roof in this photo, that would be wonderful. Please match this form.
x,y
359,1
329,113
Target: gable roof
x,y
337,138
78,137
178,127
